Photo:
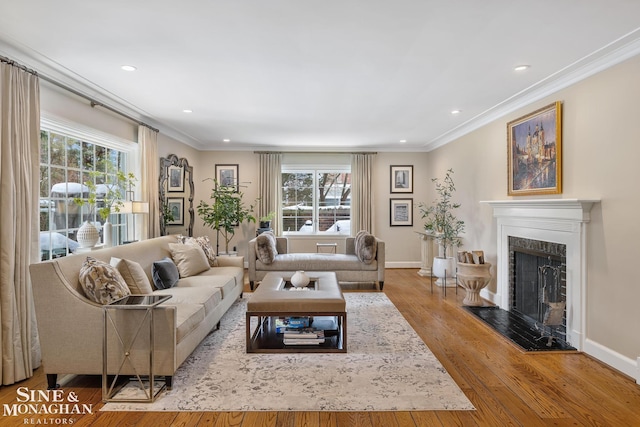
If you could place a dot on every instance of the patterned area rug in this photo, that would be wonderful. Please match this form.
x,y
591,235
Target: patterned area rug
x,y
387,368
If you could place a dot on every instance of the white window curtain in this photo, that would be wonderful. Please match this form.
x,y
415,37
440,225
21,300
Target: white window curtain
x,y
148,141
271,188
361,193
19,227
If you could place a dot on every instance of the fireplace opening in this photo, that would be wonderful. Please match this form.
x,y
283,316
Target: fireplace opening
x,y
538,287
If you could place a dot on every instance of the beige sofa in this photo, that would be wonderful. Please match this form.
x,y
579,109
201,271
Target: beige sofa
x,y
71,326
347,266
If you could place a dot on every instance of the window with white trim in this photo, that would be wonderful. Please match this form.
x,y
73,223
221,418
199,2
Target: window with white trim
x,y
68,160
316,200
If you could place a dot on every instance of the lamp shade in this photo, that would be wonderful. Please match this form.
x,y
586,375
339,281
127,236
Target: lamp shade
x,y
134,207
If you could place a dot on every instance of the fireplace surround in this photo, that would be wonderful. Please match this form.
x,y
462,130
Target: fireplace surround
x,y
561,221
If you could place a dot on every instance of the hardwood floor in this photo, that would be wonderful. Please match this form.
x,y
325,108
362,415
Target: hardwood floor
x,y
507,386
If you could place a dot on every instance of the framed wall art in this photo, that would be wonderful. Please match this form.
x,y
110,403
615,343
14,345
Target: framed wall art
x,y
401,212
175,182
534,152
227,176
175,205
402,179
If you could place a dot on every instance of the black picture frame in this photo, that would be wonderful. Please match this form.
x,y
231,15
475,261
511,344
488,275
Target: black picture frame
x,y
401,212
175,205
401,178
227,176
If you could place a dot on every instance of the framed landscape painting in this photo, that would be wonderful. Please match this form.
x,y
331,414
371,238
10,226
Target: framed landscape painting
x,y
402,179
534,152
401,212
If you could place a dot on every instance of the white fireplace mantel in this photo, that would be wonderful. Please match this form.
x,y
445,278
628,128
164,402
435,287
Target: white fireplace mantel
x,y
552,220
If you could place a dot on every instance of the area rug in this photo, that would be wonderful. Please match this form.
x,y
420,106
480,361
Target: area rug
x,y
387,368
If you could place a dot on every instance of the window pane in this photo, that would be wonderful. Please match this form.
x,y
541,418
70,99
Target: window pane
x,y
57,149
73,153
44,147
88,159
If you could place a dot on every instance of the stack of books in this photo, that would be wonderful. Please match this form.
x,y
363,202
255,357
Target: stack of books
x,y
304,336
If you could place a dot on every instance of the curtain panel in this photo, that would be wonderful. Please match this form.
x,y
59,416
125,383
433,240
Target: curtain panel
x,y
271,188
150,171
19,220
361,193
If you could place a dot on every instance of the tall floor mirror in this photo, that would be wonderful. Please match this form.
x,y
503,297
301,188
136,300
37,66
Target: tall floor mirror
x,y
176,196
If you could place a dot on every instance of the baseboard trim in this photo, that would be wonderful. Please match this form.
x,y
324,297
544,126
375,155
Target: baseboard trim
x,y
622,363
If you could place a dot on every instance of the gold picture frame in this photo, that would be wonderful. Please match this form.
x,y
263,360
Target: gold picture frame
x,y
534,152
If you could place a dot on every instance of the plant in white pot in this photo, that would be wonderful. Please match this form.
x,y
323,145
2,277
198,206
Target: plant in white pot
x,y
107,197
441,222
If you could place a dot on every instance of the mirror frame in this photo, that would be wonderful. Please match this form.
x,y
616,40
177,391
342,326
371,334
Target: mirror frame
x,y
165,163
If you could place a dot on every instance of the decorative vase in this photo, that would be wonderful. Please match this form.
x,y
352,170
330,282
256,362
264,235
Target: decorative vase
x,y
473,278
300,279
87,235
444,267
107,235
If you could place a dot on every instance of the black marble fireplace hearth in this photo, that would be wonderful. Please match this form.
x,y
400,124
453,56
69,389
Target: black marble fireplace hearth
x,y
519,329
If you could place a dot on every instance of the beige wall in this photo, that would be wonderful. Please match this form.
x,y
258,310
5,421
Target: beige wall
x,y
601,149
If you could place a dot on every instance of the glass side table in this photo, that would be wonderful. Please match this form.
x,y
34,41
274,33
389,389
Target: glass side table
x,y
128,325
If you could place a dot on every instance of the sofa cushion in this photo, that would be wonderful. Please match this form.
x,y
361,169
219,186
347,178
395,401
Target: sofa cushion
x,y
205,244
266,250
134,275
208,297
226,284
366,247
165,273
188,317
101,282
189,258
311,262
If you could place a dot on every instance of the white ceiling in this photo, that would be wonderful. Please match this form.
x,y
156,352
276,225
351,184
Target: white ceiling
x,y
331,75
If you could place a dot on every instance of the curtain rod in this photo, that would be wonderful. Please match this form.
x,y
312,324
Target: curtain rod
x,y
92,101
315,152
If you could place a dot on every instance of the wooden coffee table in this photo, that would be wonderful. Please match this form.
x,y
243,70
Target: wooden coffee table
x,y
323,303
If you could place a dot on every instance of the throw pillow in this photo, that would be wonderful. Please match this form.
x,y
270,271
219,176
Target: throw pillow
x,y
190,259
164,273
205,244
134,275
101,282
266,247
366,247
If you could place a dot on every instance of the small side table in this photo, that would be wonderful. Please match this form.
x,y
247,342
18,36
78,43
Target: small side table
x,y
125,313
329,248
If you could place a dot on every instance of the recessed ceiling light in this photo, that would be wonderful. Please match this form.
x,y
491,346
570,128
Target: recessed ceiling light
x,y
128,68
226,140
521,67
186,110
402,141
454,112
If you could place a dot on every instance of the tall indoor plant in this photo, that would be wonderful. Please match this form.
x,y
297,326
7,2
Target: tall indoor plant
x,y
226,211
441,222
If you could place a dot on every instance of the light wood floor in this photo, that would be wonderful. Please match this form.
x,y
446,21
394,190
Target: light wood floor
x,y
507,386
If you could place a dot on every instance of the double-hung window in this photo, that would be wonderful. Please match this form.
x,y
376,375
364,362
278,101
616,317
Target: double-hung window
x,y
70,156
316,199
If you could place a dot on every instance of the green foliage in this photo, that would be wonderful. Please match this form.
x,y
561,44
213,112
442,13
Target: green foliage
x,y
268,217
167,215
226,211
116,183
439,217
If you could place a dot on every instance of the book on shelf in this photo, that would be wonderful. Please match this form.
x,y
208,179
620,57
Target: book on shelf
x,y
304,333
303,341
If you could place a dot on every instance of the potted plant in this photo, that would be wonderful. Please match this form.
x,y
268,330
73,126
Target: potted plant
x,y
265,221
107,198
441,222
225,213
